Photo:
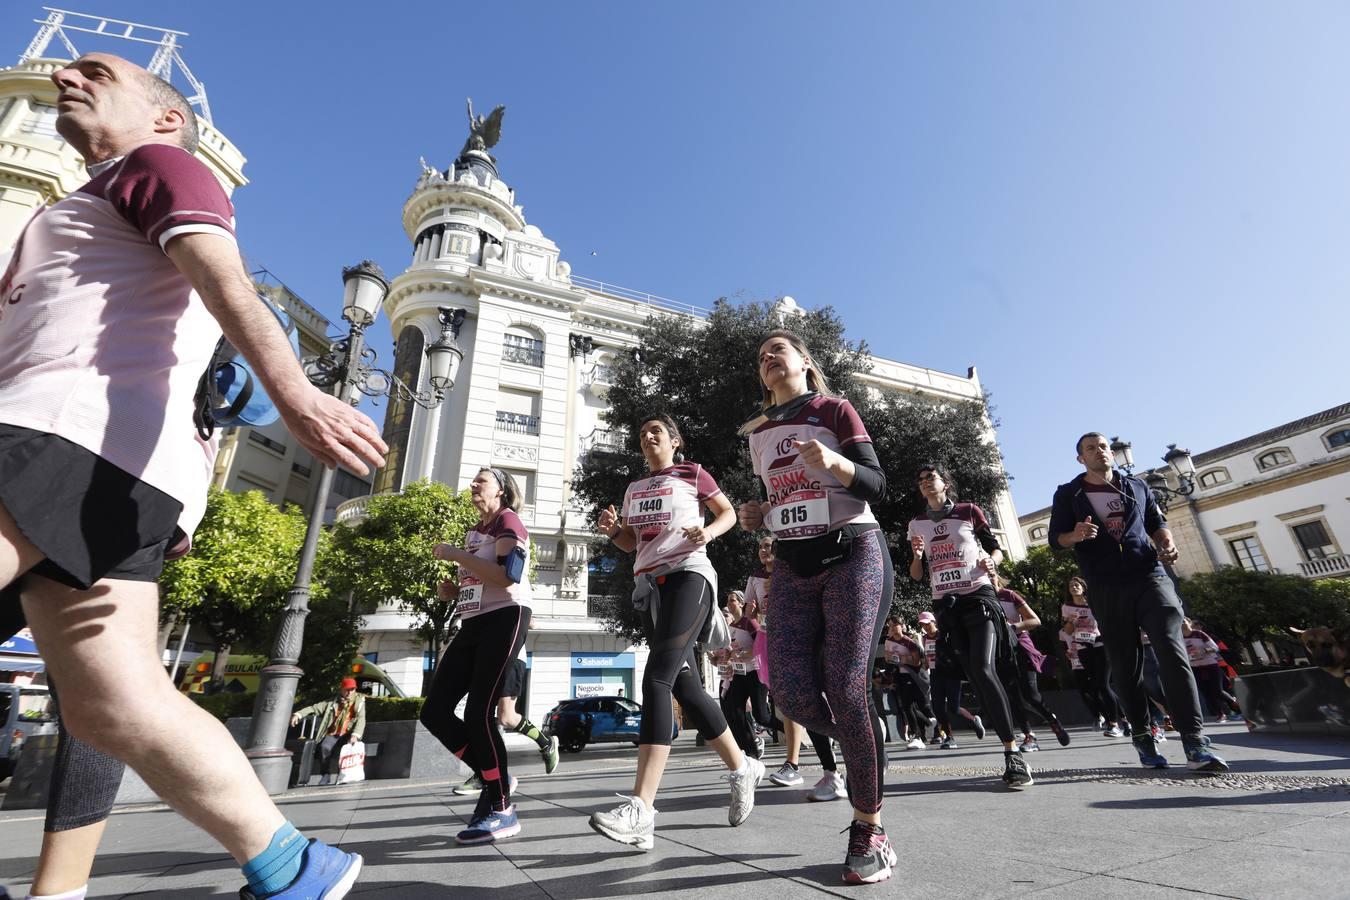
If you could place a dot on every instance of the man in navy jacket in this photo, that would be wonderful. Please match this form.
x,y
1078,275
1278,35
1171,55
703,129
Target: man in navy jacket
x,y
1121,540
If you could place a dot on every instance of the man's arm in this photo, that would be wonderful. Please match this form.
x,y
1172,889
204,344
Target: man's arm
x,y
359,729
334,432
1167,550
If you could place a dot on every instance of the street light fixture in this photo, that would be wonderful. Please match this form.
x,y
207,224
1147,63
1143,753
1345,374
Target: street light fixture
x,y
348,366
1178,459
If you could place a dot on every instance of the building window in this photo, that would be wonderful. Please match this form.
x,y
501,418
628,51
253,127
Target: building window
x,y
257,437
345,484
1338,438
302,471
525,482
41,120
1038,533
517,411
523,349
1214,477
1273,458
517,423
1314,540
1248,553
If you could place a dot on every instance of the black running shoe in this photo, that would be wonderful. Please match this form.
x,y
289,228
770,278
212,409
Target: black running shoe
x,y
1016,774
1060,734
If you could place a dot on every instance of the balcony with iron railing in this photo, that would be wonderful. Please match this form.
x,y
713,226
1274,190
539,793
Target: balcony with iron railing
x,y
601,443
1326,566
523,351
517,423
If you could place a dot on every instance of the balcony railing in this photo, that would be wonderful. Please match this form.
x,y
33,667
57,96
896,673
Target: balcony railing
x,y
524,351
601,442
1327,566
517,423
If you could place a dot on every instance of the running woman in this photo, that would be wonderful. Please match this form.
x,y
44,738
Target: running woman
x,y
832,589
494,609
909,690
1203,652
745,685
945,679
663,520
950,537
1091,654
1022,618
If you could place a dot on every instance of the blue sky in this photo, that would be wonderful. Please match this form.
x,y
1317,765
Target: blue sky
x,y
1130,218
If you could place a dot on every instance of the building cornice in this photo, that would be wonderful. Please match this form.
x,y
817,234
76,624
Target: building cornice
x,y
1313,471
430,197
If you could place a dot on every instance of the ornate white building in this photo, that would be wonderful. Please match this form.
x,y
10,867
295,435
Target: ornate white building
x,y
538,343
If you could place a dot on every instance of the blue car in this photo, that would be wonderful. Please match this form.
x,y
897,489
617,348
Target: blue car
x,y
595,720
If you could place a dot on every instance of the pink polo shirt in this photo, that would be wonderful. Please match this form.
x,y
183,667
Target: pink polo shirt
x,y
102,339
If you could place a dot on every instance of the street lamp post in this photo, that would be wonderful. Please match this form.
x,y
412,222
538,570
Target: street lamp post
x,y
1178,459
348,367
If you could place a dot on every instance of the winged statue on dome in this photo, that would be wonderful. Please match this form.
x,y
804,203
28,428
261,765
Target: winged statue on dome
x,y
484,131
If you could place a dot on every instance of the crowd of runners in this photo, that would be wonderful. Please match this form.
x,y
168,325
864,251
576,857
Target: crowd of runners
x,y
110,308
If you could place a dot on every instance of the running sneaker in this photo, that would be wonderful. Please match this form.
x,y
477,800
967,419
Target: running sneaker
x,y
632,822
1016,773
915,744
1030,744
1200,756
1167,724
787,775
472,785
1126,729
978,724
1159,735
495,826
870,854
550,755
325,872
758,752
1146,745
829,787
948,743
743,784
1113,732
1060,734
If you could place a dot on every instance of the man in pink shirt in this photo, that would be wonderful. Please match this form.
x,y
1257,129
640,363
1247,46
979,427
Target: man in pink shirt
x,y
110,308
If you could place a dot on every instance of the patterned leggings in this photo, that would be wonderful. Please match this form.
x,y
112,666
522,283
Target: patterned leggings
x,y
825,632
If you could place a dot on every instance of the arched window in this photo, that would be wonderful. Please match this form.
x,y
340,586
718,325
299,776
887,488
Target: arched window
x,y
1272,459
1037,533
1338,437
1214,477
523,346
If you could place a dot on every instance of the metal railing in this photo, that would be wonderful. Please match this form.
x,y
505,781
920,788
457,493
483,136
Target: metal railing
x,y
601,442
665,303
1327,565
525,351
517,423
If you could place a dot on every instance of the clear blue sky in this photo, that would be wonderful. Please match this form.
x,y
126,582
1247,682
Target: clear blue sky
x,y
1131,219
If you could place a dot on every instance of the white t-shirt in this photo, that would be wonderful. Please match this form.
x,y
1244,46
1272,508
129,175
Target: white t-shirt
x,y
659,506
1085,630
953,549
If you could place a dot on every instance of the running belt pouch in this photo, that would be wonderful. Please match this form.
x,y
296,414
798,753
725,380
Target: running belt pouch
x,y
814,555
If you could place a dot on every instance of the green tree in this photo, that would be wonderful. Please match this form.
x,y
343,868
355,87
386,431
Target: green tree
x,y
703,373
1042,576
332,636
1249,606
387,555
234,581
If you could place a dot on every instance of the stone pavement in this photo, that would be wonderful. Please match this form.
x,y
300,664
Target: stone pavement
x,y
1093,825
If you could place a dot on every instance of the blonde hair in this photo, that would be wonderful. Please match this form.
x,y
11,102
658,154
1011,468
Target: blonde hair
x,y
815,379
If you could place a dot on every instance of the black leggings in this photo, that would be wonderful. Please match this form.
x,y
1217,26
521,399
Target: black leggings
x,y
1209,681
1027,693
910,701
1098,675
686,601
978,632
476,663
743,687
84,781
946,692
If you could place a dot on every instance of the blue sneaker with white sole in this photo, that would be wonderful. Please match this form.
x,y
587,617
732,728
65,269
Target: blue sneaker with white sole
x,y
1200,756
494,826
326,873
1147,748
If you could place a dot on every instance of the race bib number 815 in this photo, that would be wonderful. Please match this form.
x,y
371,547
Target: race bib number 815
x,y
801,514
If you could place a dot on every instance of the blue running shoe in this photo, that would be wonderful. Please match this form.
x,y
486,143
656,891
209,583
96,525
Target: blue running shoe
x,y
1147,748
326,873
1200,756
494,826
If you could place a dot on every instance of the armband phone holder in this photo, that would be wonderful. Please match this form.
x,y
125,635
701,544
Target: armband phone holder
x,y
514,564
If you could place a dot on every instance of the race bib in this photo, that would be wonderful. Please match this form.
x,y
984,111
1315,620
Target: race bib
x,y
740,668
470,596
651,510
803,513
1197,654
1085,637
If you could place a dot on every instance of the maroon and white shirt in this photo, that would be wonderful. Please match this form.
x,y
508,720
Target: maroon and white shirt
x,y
757,589
805,503
930,643
1201,648
953,550
1085,630
476,596
659,506
1108,506
743,633
102,339
1071,650
905,652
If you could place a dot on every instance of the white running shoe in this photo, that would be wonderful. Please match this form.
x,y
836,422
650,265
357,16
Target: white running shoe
x,y
915,744
743,784
829,787
633,823
1030,744
787,776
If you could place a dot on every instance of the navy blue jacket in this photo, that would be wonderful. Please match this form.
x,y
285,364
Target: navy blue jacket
x,y
1103,557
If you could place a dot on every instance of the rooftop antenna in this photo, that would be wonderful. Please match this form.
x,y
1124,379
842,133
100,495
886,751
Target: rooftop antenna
x,y
60,22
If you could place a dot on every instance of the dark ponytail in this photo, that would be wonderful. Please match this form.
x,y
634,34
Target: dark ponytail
x,y
671,429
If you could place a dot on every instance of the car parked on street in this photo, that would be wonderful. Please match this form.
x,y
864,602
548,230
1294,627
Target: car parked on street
x,y
595,720
25,711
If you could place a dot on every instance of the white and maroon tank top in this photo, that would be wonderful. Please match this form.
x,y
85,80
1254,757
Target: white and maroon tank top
x,y
1085,630
659,506
806,503
953,550
476,596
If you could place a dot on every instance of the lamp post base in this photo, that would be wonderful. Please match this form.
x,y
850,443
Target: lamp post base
x,y
273,768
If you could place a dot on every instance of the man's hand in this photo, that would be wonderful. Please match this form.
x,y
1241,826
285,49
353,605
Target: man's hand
x,y
295,720
1167,552
1084,531
335,432
352,739
751,515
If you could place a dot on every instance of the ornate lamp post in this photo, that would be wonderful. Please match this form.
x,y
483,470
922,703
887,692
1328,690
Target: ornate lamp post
x,y
1180,462
349,368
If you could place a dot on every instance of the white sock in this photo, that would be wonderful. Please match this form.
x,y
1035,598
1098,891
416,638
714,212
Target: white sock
x,y
745,766
78,894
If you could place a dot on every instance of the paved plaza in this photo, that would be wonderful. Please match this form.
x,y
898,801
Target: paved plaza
x,y
1092,826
